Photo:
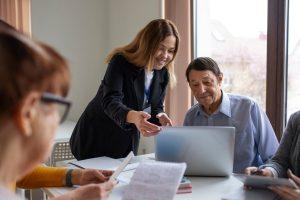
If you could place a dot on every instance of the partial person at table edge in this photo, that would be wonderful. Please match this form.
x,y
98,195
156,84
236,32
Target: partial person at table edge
x,y
286,161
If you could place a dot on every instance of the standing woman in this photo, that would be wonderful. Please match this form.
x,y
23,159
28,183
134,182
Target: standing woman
x,y
131,96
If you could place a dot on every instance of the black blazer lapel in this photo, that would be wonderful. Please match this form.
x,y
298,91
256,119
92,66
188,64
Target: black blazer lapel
x,y
139,86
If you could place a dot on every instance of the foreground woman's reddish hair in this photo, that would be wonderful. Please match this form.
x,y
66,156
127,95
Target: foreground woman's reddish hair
x,y
27,66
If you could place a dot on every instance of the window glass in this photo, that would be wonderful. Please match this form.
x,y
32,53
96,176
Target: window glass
x,y
234,33
293,80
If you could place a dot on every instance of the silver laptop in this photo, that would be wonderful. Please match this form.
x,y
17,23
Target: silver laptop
x,y
207,150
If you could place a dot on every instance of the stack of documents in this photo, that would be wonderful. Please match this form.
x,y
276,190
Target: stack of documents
x,y
185,186
155,180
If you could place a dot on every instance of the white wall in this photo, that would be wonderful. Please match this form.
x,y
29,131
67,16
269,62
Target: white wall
x,y
78,29
84,32
127,17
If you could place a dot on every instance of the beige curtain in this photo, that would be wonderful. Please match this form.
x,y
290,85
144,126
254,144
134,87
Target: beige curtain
x,y
16,13
178,100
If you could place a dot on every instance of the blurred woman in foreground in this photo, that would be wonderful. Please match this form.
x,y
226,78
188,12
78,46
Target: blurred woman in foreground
x,y
34,79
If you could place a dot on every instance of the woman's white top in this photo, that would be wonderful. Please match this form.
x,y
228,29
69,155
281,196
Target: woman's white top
x,y
148,81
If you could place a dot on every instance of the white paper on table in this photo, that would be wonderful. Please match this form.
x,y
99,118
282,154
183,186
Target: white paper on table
x,y
103,162
155,180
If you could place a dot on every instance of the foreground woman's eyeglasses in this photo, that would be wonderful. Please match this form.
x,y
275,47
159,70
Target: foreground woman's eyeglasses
x,y
63,104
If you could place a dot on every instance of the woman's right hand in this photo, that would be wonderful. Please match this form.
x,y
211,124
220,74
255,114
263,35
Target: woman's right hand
x,y
139,118
259,172
87,176
91,191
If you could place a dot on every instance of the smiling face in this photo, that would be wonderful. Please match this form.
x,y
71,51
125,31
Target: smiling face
x,y
206,87
165,52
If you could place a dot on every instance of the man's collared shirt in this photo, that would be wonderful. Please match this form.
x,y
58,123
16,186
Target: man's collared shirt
x,y
255,140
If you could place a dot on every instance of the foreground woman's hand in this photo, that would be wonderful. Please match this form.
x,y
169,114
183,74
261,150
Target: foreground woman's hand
x,y
87,176
91,191
139,118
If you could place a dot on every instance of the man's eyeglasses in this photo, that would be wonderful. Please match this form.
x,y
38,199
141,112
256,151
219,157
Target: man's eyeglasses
x,y
63,104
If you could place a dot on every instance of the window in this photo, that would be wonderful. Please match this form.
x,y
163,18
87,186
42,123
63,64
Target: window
x,y
234,33
293,79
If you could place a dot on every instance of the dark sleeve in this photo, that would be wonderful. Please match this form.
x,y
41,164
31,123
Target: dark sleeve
x,y
280,161
113,91
159,107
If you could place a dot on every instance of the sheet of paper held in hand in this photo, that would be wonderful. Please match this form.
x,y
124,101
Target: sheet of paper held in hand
x,y
155,180
122,166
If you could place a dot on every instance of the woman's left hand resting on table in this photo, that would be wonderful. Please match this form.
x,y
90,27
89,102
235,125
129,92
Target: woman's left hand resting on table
x,y
87,176
288,193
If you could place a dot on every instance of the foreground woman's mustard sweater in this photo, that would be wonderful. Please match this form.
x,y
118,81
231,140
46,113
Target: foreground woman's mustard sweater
x,y
43,176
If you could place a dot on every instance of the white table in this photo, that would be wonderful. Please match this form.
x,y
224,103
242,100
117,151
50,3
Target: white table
x,y
203,188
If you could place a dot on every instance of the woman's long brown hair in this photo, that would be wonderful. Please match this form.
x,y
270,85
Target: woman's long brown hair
x,y
142,49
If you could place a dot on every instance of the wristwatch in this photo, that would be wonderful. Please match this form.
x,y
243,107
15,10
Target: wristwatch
x,y
69,178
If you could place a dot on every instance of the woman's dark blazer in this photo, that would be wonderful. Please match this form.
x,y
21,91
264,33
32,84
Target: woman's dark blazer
x,y
102,129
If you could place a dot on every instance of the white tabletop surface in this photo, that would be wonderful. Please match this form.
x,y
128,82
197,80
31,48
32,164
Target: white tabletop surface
x,y
203,188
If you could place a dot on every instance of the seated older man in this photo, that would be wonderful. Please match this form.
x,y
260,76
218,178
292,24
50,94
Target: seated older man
x,y
255,140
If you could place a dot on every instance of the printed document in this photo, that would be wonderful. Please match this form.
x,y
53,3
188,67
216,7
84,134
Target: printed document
x,y
155,180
